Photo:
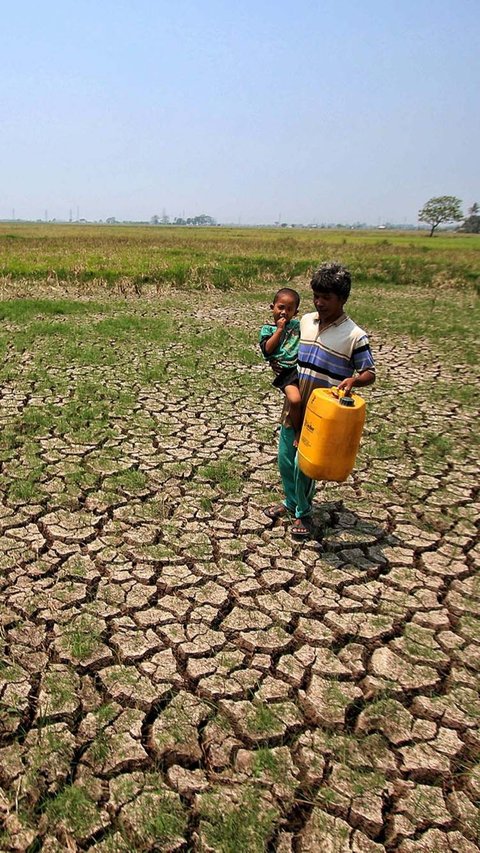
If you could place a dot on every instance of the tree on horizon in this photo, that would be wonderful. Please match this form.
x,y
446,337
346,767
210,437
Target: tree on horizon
x,y
440,209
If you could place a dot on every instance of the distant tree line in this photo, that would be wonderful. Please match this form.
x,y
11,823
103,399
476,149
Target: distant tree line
x,y
203,219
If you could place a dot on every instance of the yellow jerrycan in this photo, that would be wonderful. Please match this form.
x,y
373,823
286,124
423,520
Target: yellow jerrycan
x,y
330,435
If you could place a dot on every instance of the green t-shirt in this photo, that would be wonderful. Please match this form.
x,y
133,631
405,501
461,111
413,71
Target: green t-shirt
x,y
287,350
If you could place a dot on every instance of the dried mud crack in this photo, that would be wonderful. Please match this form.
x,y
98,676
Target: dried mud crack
x,y
175,673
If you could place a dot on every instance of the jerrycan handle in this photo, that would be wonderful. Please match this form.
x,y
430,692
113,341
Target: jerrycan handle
x,y
343,399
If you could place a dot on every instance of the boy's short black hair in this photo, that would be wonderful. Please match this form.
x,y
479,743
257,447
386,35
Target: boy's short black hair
x,y
332,278
290,292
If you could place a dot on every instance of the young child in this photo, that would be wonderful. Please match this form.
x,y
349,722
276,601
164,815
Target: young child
x,y
279,343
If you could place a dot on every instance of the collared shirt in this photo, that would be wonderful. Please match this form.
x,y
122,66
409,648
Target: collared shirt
x,y
327,356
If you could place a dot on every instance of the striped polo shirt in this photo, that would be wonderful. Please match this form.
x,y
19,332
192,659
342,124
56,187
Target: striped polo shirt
x,y
328,356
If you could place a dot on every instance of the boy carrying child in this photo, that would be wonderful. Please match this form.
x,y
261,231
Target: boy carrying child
x,y
333,351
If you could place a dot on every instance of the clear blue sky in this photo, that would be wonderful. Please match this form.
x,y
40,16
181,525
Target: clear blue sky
x,y
314,111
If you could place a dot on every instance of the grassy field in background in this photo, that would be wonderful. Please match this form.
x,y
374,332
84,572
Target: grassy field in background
x,y
225,258
404,283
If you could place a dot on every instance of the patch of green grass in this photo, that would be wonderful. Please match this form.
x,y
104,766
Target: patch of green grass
x,y
25,490
81,637
242,828
100,747
396,312
221,338
76,567
199,550
87,354
178,469
263,720
469,626
22,311
336,697
85,420
436,445
61,689
153,372
81,479
125,675
35,420
74,807
105,713
265,434
162,820
50,749
131,327
381,440
223,723
206,504
140,421
130,480
327,796
10,672
225,473
464,392
265,761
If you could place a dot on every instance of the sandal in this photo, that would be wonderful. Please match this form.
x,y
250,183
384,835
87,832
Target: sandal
x,y
300,528
276,511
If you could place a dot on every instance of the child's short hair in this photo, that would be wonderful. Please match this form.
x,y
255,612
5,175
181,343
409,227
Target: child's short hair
x,y
332,278
291,292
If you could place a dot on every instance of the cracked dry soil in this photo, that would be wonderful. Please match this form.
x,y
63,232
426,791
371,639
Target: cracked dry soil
x,y
178,675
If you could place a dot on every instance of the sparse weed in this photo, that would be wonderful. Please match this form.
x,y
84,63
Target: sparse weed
x,y
61,689
81,637
162,820
225,473
74,807
263,719
130,480
237,828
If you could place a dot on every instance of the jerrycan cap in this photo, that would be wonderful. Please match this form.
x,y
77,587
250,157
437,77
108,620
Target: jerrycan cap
x,y
343,399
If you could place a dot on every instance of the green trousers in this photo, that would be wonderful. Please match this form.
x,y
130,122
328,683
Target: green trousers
x,y
299,489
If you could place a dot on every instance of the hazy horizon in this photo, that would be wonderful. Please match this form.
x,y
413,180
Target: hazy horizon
x,y
417,226
321,113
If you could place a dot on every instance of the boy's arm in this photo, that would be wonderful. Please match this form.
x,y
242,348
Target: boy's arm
x,y
274,340
270,343
363,365
361,380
